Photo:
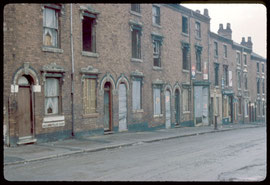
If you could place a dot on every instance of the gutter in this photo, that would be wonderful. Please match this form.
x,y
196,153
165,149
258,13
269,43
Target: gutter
x,y
72,72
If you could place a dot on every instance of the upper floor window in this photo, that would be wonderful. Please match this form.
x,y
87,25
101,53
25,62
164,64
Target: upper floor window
x,y
156,14
136,43
136,8
185,58
262,68
245,59
157,53
89,32
216,48
239,79
198,59
216,65
184,24
225,51
50,27
198,29
225,75
258,85
245,81
258,67
263,90
238,58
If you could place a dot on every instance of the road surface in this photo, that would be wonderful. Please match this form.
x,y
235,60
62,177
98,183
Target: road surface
x,y
236,155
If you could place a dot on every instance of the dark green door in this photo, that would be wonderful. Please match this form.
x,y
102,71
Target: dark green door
x,y
177,107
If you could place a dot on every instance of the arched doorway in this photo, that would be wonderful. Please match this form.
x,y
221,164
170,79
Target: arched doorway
x,y
122,107
177,107
25,109
168,108
107,107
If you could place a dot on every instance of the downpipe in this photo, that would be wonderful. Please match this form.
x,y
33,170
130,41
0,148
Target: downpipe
x,y
72,72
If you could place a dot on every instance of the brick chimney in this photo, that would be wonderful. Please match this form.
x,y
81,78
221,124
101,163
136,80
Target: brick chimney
x,y
248,44
227,33
205,12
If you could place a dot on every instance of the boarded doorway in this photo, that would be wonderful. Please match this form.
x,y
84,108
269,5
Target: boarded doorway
x,y
107,107
122,107
168,108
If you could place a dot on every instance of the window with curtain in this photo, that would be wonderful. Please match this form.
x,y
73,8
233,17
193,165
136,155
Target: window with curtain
x,y
50,27
89,95
136,95
52,96
157,100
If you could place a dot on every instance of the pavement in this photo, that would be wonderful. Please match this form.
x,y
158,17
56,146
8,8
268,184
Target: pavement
x,y
43,151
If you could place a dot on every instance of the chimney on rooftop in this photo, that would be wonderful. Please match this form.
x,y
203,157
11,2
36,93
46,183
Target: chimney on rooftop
x,y
227,33
198,11
206,12
247,44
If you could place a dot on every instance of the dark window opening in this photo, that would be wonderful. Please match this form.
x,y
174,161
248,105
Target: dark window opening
x,y
198,61
136,44
184,25
185,58
89,34
216,74
135,8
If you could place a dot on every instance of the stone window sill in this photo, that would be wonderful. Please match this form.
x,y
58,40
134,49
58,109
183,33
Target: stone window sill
x,y
53,121
157,68
156,25
158,116
186,112
92,115
185,71
198,72
90,54
185,34
53,50
136,60
138,111
198,38
135,13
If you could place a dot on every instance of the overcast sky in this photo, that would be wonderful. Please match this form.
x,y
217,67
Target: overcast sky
x,y
245,19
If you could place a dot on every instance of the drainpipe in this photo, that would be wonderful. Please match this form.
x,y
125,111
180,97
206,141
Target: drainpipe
x,y
191,14
72,72
244,100
209,96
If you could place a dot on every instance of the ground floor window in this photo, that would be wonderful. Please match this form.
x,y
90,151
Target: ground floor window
x,y
52,96
157,100
186,100
89,95
225,106
136,94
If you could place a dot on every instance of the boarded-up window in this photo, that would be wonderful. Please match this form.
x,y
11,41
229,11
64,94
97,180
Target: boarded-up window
x,y
157,101
89,95
50,27
186,99
136,95
52,96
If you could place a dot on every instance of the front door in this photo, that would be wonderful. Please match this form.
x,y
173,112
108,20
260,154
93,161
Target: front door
x,y
24,114
168,108
122,107
177,109
107,107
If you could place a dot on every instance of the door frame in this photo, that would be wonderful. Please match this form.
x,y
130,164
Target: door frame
x,y
110,105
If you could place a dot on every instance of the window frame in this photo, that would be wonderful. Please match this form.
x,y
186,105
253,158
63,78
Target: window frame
x,y
245,59
225,50
137,79
157,87
216,69
135,8
92,20
186,100
56,28
225,75
216,49
258,85
187,30
157,55
85,79
185,57
198,54
198,30
59,96
238,58
245,81
239,79
136,52
156,18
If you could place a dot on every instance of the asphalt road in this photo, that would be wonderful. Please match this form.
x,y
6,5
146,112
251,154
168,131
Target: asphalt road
x,y
236,155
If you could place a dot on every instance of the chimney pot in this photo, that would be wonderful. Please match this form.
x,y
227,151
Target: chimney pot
x,y
228,26
221,26
198,11
249,39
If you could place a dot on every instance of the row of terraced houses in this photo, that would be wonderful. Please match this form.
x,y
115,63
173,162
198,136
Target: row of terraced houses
x,y
72,70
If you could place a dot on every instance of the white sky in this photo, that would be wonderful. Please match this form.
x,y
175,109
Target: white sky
x,y
245,19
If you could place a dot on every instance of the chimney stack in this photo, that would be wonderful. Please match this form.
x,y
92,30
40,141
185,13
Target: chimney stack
x,y
227,33
247,44
198,11
205,13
